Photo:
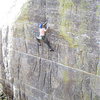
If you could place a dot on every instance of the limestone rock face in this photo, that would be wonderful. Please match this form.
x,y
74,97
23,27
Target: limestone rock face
x,y
72,71
0,53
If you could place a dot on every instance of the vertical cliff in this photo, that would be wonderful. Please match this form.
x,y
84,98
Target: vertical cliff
x,y
72,71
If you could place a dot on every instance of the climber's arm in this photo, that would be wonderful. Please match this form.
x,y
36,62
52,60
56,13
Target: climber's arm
x,y
46,29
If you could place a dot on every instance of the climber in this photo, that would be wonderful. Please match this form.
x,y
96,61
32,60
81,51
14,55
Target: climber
x,y
42,35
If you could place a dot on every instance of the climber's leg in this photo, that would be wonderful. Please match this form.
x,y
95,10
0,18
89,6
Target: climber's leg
x,y
47,42
39,41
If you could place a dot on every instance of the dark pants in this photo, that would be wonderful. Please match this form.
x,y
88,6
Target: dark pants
x,y
45,40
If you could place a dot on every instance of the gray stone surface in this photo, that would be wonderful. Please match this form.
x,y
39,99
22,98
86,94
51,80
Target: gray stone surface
x,y
72,71
0,52
45,79
71,32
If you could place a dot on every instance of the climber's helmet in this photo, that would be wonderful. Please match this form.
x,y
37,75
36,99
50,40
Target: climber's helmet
x,y
40,26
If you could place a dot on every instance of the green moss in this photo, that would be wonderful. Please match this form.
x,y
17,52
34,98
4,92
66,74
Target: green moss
x,y
82,28
96,98
85,5
66,4
66,25
98,5
86,96
98,70
69,39
65,76
97,11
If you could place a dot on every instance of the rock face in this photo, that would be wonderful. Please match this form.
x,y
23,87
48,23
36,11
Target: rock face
x,y
72,71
